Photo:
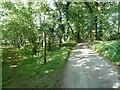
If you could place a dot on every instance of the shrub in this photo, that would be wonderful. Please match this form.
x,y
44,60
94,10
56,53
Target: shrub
x,y
109,49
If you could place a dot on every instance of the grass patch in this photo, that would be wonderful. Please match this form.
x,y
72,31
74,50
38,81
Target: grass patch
x,y
31,67
109,49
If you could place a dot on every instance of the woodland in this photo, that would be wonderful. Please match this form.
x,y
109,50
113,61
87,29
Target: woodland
x,y
37,38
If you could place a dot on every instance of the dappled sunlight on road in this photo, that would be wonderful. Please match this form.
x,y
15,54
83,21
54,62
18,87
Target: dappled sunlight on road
x,y
87,69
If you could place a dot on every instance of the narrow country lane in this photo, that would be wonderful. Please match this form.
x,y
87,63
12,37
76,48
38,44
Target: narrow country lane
x,y
87,69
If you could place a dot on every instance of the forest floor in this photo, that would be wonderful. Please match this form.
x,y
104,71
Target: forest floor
x,y
12,76
85,68
20,70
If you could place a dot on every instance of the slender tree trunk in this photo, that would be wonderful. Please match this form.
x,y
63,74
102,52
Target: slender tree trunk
x,y
96,37
49,43
78,36
44,47
60,41
42,43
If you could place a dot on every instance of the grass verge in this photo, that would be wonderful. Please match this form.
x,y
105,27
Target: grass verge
x,y
30,72
109,49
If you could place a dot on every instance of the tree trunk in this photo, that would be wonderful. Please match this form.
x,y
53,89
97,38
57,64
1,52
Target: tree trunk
x,y
34,50
44,47
49,43
78,36
96,37
60,41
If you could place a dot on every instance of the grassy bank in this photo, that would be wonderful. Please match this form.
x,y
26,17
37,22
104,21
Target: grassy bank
x,y
29,70
109,49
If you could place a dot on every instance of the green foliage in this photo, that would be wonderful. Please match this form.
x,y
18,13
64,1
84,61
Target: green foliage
x,y
30,27
68,44
109,49
32,67
63,22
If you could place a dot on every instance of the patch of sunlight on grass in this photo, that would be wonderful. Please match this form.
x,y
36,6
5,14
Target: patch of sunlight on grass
x,y
14,66
48,71
50,59
33,67
24,57
64,57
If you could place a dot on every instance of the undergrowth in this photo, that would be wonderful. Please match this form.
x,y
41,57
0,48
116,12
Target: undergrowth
x,y
109,49
32,67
